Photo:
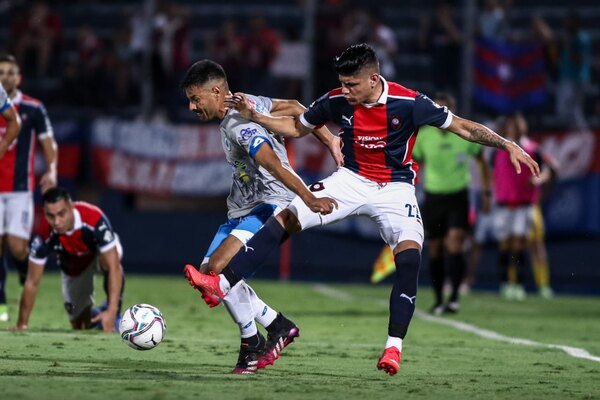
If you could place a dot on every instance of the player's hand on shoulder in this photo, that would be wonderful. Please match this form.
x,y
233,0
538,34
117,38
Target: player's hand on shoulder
x,y
322,205
240,103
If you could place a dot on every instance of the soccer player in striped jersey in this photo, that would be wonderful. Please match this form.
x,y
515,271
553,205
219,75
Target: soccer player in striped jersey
x,y
380,121
83,241
16,170
263,184
12,127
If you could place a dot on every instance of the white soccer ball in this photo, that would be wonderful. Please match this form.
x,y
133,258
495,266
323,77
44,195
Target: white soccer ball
x,y
142,327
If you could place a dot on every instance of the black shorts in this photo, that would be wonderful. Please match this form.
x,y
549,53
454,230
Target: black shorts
x,y
445,211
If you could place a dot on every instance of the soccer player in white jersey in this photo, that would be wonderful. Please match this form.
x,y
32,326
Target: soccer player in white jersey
x,y
263,184
380,121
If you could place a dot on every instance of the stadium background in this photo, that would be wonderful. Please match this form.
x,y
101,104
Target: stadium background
x,y
128,143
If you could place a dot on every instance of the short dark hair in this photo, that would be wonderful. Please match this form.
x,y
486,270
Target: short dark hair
x,y
55,194
355,58
9,58
201,72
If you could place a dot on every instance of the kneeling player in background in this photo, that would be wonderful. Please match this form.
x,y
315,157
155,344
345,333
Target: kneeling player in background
x,y
83,241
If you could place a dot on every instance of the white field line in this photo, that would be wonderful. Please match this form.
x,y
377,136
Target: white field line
x,y
576,352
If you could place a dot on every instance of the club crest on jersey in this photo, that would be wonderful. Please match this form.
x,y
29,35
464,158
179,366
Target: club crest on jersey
x,y
396,122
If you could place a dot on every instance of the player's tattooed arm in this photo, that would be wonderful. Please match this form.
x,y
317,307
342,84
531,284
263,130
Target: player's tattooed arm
x,y
478,133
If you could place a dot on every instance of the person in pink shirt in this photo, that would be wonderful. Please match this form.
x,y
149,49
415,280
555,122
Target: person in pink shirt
x,y
515,194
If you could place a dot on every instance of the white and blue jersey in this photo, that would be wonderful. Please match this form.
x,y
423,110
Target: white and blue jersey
x,y
255,194
252,185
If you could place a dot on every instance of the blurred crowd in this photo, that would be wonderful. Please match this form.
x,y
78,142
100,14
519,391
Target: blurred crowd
x,y
101,61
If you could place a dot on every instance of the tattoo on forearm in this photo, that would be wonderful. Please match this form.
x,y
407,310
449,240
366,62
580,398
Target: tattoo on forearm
x,y
485,136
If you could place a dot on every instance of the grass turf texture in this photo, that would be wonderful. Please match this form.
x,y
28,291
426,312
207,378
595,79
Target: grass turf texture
x,y
335,356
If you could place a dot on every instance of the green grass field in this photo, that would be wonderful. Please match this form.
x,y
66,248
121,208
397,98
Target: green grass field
x,y
343,329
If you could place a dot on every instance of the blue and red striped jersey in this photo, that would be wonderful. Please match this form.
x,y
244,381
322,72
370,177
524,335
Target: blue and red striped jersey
x,y
378,139
16,167
76,249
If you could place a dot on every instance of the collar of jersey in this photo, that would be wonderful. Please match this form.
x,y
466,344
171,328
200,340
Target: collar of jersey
x,y
384,95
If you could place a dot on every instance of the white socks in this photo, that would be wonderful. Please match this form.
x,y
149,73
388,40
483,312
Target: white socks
x,y
239,305
395,342
245,306
263,314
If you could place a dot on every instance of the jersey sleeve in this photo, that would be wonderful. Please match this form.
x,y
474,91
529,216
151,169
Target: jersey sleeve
x,y
104,236
41,123
428,112
264,105
5,102
251,136
40,246
318,113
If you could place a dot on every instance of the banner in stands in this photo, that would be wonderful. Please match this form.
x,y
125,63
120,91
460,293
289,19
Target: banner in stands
x,y
189,160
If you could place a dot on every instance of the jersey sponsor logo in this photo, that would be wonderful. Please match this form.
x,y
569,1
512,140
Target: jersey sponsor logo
x,y
247,133
348,119
370,142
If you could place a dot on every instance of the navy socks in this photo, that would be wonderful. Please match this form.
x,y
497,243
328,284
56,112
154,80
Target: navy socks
x,y
404,292
250,258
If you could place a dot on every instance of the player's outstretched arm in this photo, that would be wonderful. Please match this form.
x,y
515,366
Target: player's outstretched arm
x,y
284,126
13,127
478,133
266,157
30,289
111,263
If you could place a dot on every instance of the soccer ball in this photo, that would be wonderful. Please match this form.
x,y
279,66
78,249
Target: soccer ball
x,y
142,327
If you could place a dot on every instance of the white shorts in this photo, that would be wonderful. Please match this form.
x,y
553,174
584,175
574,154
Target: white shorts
x,y
16,214
78,291
513,221
484,227
392,206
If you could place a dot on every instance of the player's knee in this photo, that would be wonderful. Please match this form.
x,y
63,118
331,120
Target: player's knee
x,y
289,221
18,248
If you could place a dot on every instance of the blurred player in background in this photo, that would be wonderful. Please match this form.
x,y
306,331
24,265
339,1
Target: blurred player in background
x,y
81,238
446,216
536,238
516,195
10,126
263,184
17,174
380,122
